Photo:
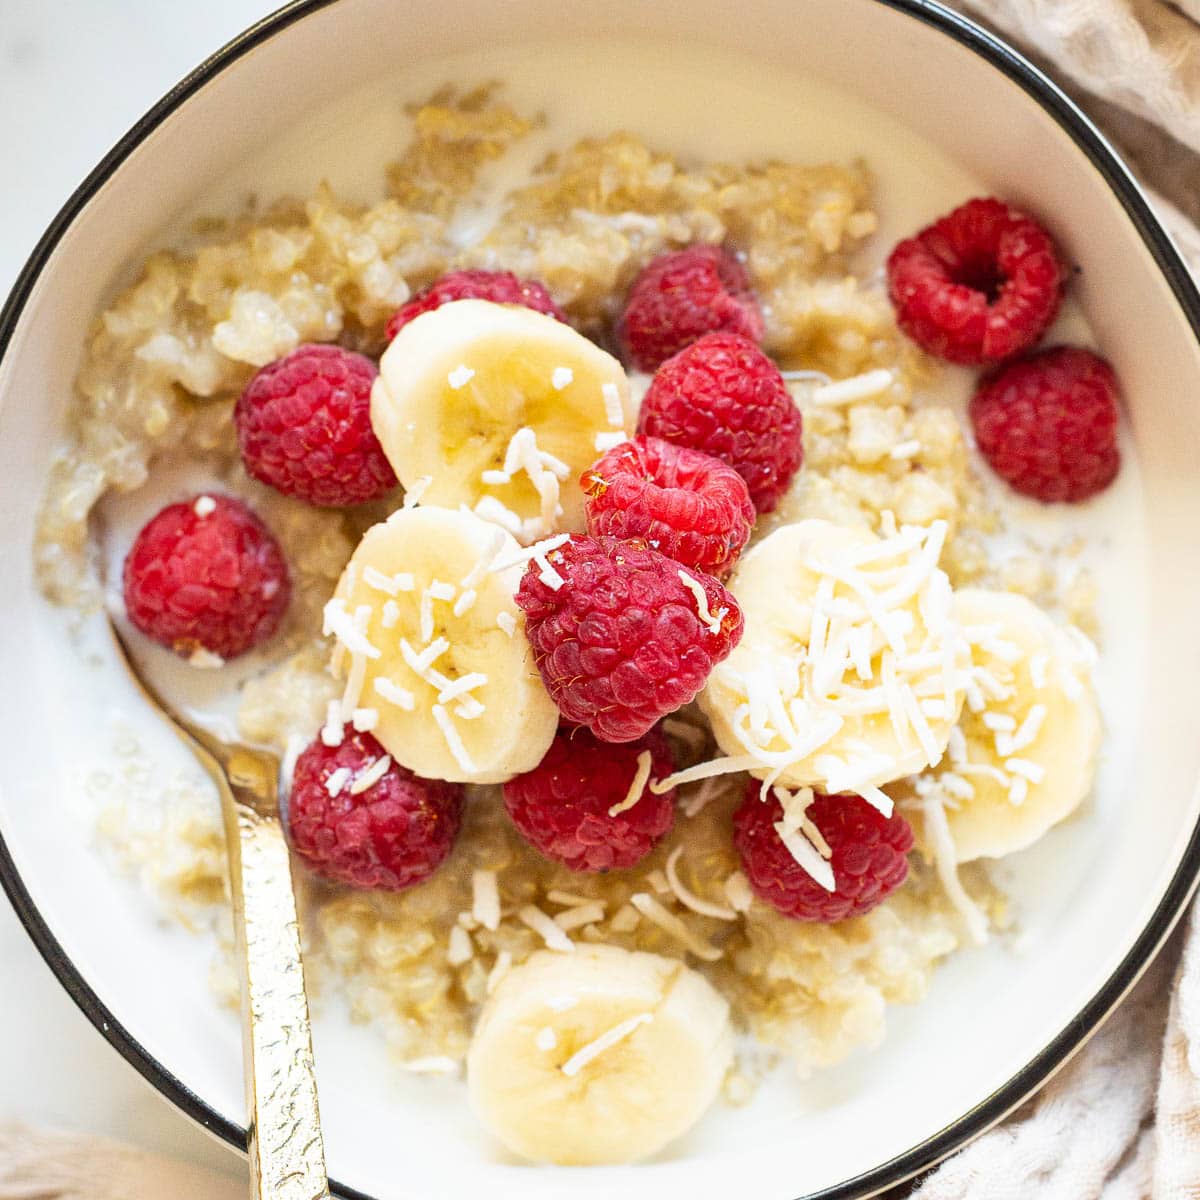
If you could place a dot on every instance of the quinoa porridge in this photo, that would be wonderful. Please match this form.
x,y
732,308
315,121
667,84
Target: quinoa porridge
x,y
486,184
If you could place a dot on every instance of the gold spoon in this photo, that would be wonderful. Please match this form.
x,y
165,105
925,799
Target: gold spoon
x,y
284,1143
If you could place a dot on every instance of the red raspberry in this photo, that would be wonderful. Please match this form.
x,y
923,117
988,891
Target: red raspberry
x,y
393,834
869,855
304,428
500,287
681,296
206,574
724,396
1048,424
978,286
620,642
688,505
562,807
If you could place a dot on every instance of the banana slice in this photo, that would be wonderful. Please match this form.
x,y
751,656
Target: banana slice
x,y
1024,755
599,1056
501,409
850,672
433,649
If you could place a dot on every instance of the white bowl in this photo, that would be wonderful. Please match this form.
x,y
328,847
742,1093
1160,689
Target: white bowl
x,y
1106,890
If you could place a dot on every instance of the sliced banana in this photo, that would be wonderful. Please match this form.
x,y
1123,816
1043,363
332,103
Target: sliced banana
x,y
602,1055
1024,756
501,409
433,650
851,669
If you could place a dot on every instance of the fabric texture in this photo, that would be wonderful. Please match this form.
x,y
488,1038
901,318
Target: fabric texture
x,y
1122,1120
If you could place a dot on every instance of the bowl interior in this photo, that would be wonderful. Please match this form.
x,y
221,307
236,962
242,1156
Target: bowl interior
x,y
1085,894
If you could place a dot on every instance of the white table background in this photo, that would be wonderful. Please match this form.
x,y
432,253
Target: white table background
x,y
74,75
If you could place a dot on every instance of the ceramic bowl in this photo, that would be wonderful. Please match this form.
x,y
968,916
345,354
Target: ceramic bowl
x,y
1103,891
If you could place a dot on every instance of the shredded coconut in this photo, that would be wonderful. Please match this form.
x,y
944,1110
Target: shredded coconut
x,y
205,506
689,899
582,914
372,775
393,693
858,387
738,893
637,785
412,495
652,910
501,968
545,928
712,620
507,623
562,377
605,1041
206,660
453,739
460,376
485,899
546,1039
338,780
613,411
364,719
460,949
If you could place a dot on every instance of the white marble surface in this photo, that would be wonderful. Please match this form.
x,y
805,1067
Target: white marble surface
x,y
74,75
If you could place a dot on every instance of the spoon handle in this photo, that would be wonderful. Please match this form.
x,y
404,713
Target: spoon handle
x,y
287,1154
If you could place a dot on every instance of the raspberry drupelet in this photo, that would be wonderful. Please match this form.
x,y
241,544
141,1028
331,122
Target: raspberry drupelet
x,y
500,287
723,396
978,286
570,807
304,428
688,505
1047,424
869,855
358,817
683,295
623,640
206,575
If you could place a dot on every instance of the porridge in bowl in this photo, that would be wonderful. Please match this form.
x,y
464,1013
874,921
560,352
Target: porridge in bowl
x,y
620,587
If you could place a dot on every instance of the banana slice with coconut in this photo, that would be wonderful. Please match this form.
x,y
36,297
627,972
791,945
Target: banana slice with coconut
x,y
1024,755
851,669
432,648
499,409
602,1055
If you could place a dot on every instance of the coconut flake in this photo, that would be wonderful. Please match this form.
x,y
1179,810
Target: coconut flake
x,y
371,776
545,928
637,785
710,619
412,495
688,898
652,910
738,892
460,376
613,412
460,949
501,968
561,377
454,740
485,899
546,1039
338,780
857,387
205,506
605,1041
583,914
937,829
507,623
364,719
393,693
206,660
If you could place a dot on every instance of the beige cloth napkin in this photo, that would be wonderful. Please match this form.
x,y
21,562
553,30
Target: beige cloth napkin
x,y
1122,1121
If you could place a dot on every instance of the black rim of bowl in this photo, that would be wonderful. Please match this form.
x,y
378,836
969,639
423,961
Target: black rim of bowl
x,y
924,1155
